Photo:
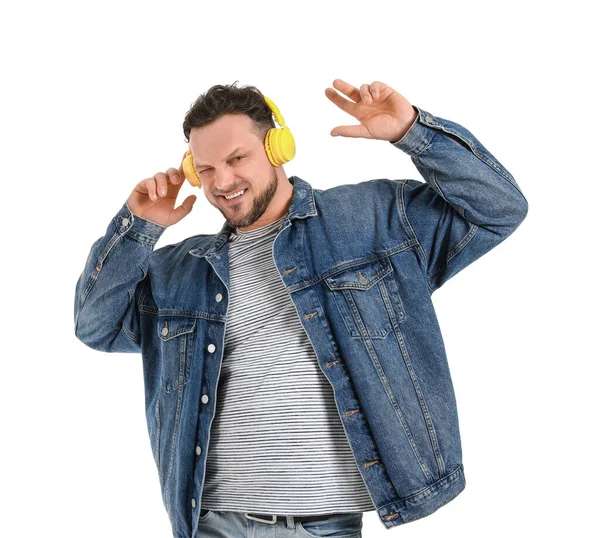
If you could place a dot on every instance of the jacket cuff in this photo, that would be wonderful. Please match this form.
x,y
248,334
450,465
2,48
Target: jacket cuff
x,y
139,228
419,135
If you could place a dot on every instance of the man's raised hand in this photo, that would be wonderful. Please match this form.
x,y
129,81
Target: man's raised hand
x,y
383,113
154,198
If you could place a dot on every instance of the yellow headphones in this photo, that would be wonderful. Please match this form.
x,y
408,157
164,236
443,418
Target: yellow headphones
x,y
279,145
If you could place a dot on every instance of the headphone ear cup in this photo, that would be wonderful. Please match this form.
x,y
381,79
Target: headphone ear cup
x,y
280,145
190,172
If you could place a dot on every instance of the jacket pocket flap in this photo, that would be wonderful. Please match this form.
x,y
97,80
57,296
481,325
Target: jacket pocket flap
x,y
172,326
360,277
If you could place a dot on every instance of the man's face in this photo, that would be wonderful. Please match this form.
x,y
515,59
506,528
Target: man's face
x,y
224,169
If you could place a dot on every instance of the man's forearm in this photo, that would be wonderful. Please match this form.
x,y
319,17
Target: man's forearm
x,y
464,173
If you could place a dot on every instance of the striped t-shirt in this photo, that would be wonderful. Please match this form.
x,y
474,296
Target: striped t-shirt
x,y
277,444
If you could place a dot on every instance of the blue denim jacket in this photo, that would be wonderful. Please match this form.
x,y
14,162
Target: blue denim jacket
x,y
360,262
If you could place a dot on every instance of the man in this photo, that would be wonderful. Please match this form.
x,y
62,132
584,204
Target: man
x,y
329,393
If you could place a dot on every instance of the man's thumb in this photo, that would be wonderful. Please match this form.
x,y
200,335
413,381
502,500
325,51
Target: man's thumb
x,y
184,209
189,202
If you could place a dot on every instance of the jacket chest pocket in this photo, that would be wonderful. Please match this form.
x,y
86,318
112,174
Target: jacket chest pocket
x,y
176,342
367,298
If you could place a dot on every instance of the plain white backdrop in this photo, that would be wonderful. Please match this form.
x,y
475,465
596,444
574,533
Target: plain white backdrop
x,y
92,102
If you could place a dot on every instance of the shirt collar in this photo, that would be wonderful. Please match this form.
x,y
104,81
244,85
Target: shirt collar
x,y
301,206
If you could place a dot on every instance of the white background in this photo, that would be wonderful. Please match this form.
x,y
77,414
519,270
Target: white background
x,y
93,98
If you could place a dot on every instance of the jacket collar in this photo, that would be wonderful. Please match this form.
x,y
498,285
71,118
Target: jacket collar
x,y
301,206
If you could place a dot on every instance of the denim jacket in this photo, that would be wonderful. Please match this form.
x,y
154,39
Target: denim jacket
x,y
360,262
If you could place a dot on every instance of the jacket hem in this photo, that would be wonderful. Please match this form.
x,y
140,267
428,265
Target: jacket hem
x,y
425,502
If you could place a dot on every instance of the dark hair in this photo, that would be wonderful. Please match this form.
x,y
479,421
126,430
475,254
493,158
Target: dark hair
x,y
227,99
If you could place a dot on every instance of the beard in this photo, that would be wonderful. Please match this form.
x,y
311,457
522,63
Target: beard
x,y
260,203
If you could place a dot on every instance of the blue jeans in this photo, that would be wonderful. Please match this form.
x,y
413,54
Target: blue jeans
x,y
239,525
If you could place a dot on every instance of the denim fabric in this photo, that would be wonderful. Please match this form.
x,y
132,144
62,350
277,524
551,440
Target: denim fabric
x,y
216,524
360,262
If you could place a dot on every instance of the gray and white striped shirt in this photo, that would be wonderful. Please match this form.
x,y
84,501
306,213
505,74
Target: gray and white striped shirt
x,y
277,444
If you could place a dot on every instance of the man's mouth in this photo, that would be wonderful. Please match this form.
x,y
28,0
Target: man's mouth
x,y
234,196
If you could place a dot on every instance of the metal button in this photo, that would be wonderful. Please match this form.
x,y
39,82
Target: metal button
x,y
198,450
193,503
211,348
218,297
362,278
125,221
165,331
204,398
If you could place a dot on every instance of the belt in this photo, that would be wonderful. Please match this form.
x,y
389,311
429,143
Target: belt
x,y
272,518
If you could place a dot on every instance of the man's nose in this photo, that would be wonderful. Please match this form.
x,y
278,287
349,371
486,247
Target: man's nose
x,y
224,182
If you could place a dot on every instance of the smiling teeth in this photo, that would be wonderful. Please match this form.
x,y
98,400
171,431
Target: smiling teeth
x,y
239,193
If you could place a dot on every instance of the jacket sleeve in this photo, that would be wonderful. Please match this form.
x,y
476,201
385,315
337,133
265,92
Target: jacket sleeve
x,y
107,292
468,204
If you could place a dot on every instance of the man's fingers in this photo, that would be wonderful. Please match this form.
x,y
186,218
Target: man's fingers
x,y
347,89
365,94
174,175
378,89
158,187
339,100
372,92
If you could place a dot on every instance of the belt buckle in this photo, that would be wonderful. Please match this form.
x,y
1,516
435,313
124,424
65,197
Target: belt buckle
x,y
269,521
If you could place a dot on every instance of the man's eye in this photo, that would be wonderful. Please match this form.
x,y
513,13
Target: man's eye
x,y
238,157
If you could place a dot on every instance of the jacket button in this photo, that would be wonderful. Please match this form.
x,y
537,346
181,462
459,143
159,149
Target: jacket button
x,y
218,297
211,347
198,450
165,331
363,280
204,398
193,503
125,221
